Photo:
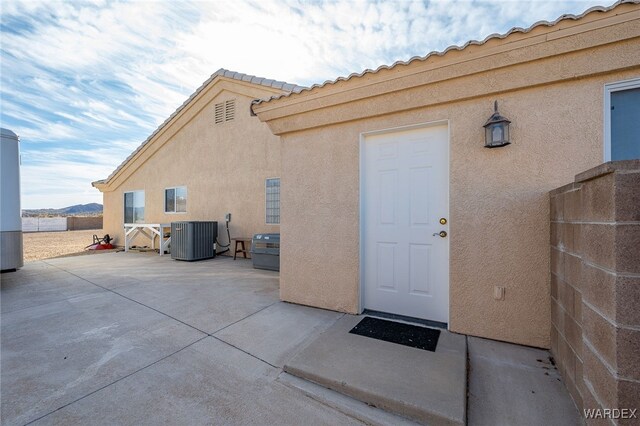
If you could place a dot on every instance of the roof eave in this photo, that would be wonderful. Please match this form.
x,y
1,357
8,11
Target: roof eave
x,y
99,184
221,73
263,103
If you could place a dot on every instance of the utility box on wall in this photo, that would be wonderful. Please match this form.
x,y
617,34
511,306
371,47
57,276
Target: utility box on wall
x,y
192,240
265,251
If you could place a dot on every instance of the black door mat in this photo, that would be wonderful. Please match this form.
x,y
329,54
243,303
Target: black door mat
x,y
397,332
396,317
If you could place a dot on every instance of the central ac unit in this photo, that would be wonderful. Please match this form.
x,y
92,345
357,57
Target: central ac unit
x,y
193,240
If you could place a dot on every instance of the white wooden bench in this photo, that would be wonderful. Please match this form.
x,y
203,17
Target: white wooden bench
x,y
150,230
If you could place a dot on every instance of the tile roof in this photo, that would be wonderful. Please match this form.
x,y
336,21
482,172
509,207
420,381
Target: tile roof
x,y
453,47
290,88
281,85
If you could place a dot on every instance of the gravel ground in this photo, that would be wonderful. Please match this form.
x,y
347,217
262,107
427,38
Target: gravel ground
x,y
44,245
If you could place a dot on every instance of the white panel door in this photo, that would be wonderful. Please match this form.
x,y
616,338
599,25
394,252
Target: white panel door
x,y
405,181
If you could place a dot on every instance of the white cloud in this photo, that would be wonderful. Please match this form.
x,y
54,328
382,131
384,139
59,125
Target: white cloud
x,y
77,75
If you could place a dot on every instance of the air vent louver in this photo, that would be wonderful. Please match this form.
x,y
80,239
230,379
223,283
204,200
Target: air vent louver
x,y
219,113
229,109
225,111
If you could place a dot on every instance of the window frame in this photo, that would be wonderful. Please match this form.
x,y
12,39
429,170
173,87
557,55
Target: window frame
x,y
266,194
124,205
609,88
175,204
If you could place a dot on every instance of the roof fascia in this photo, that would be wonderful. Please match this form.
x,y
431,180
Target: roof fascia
x,y
373,83
164,133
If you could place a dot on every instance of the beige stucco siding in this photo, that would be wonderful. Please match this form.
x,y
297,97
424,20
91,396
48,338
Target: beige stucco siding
x,y
223,166
549,81
499,220
319,244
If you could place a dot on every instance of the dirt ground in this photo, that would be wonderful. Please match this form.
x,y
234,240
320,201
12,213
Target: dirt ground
x,y
44,245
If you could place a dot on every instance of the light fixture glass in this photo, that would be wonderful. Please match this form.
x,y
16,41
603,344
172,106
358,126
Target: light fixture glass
x,y
496,130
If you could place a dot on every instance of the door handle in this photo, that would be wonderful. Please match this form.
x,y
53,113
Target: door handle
x,y
441,234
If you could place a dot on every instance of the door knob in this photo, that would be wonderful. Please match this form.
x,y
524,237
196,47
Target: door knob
x,y
440,234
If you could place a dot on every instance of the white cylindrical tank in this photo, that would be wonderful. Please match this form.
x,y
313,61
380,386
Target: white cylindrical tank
x,y
10,214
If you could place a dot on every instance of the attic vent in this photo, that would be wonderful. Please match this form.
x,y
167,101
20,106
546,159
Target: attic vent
x,y
219,113
225,111
229,110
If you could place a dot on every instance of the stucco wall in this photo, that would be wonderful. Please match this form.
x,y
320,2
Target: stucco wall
x,y
549,83
223,166
498,204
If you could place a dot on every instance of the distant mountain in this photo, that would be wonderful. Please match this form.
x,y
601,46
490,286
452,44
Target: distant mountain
x,y
91,209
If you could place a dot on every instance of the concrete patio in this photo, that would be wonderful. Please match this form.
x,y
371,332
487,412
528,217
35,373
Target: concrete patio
x,y
131,338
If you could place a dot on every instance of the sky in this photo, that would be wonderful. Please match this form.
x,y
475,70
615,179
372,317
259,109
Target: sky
x,y
83,83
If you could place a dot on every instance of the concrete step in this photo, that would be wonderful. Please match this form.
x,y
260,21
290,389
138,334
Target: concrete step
x,y
344,404
428,387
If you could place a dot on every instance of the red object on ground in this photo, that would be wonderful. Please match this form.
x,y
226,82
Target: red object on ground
x,y
100,247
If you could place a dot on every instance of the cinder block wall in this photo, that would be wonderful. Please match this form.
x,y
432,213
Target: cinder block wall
x,y
75,223
595,286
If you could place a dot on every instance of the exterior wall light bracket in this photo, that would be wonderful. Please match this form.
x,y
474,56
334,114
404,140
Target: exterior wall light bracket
x,y
496,130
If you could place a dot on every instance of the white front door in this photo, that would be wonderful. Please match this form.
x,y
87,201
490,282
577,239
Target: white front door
x,y
404,190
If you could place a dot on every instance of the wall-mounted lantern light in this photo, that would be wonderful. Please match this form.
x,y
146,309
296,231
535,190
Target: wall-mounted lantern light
x,y
496,130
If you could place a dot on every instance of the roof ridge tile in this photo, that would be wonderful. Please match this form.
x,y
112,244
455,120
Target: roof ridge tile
x,y
222,72
449,48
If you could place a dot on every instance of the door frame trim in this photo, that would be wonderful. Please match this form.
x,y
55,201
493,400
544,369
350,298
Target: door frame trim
x,y
362,141
632,83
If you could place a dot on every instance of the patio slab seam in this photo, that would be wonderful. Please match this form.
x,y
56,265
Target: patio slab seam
x,y
176,319
133,300
41,305
158,310
301,347
242,319
117,380
243,351
504,364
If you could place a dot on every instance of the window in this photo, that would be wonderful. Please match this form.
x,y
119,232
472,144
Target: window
x,y
134,207
622,120
225,111
273,201
175,200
